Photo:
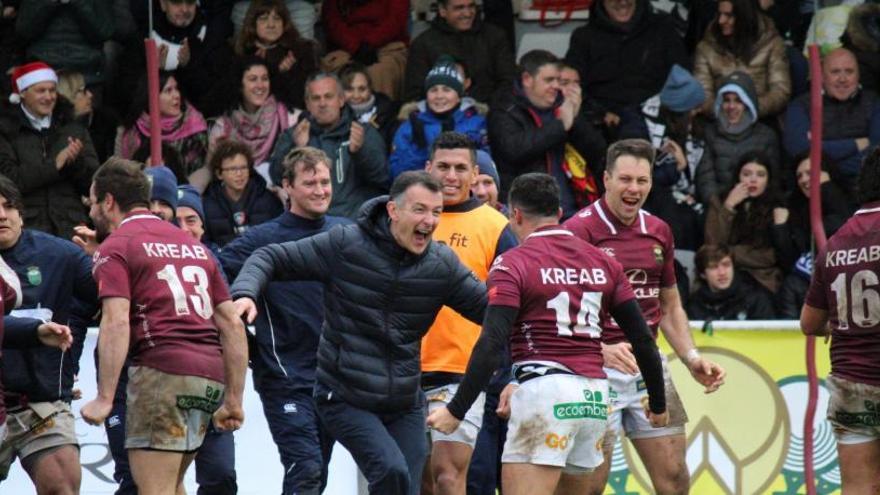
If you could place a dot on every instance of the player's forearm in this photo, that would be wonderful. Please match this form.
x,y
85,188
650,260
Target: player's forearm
x,y
485,358
235,359
112,350
675,327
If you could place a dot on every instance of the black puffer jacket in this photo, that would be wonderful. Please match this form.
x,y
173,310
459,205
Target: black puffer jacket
x,y
743,300
379,302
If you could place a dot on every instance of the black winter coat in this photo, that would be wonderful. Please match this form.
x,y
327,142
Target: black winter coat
x,y
225,220
621,68
379,301
52,197
743,300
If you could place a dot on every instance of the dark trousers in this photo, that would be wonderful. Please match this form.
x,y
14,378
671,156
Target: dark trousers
x,y
484,472
390,449
302,443
215,461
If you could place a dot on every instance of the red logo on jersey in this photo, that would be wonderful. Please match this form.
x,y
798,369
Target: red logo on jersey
x,y
493,291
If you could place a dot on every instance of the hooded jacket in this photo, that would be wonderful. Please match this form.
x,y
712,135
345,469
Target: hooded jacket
x,y
522,143
27,156
356,177
717,169
624,66
421,126
768,68
483,49
379,301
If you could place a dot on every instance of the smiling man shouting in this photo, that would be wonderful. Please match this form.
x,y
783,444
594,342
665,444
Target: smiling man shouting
x,y
384,283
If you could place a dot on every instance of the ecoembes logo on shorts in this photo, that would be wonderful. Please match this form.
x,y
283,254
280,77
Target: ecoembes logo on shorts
x,y
594,407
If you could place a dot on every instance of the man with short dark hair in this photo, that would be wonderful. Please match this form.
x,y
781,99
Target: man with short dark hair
x,y
539,128
843,301
643,244
723,293
57,286
477,234
458,31
165,304
357,151
384,282
534,290
288,324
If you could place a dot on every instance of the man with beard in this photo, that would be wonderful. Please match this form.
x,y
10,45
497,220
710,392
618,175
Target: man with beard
x,y
384,282
288,325
162,292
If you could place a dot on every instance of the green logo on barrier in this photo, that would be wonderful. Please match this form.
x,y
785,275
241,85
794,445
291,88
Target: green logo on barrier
x,y
594,408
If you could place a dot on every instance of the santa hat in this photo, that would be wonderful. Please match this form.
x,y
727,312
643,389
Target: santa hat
x,y
25,76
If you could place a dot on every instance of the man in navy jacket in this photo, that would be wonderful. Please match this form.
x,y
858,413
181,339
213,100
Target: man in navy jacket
x,y
283,355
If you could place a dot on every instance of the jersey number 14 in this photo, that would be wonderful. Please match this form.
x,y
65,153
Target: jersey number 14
x,y
200,299
587,319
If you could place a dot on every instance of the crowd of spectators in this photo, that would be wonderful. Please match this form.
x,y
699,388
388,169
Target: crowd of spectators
x,y
718,91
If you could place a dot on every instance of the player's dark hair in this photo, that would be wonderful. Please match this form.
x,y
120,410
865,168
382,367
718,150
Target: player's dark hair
x,y
710,254
637,148
869,178
535,195
410,179
125,180
10,191
306,159
533,60
451,140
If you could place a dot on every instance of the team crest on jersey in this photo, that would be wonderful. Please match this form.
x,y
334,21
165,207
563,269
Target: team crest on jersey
x,y
608,250
34,276
658,253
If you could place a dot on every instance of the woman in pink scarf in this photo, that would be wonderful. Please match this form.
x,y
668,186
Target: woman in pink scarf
x,y
183,127
255,117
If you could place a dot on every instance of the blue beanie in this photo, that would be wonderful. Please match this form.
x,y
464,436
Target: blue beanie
x,y
163,185
445,73
188,196
487,166
681,92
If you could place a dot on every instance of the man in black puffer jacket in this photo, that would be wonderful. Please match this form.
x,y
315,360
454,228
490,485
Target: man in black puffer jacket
x,y
384,282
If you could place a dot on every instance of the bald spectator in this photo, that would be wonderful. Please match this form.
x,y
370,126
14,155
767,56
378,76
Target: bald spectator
x,y
850,116
458,31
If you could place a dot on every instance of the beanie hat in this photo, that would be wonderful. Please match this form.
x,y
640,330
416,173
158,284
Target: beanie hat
x,y
681,92
445,73
487,167
188,196
163,185
25,76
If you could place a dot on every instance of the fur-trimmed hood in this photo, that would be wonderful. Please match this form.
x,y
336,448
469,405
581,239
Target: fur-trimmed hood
x,y
863,27
467,103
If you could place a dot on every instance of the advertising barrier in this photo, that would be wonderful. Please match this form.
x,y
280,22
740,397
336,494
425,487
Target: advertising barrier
x,y
742,440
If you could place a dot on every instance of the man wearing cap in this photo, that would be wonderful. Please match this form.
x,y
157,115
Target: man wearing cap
x,y
288,325
57,286
477,234
47,154
445,108
356,151
486,187
540,128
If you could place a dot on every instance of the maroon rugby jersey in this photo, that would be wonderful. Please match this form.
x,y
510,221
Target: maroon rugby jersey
x,y
846,283
560,284
645,249
173,284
